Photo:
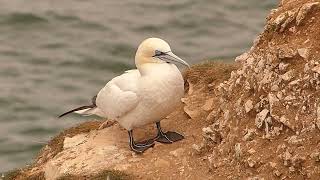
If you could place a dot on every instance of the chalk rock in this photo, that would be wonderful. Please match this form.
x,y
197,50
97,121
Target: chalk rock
x,y
248,106
261,117
251,162
287,76
242,58
249,135
303,52
304,10
208,105
278,21
290,16
286,122
74,141
238,151
283,66
89,153
211,135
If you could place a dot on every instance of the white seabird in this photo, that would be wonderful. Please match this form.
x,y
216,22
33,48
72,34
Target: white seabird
x,y
144,95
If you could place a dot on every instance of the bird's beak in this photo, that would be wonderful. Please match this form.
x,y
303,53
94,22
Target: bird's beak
x,y
172,58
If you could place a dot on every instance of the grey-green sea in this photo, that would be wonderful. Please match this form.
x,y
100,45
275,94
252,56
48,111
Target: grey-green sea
x,y
56,55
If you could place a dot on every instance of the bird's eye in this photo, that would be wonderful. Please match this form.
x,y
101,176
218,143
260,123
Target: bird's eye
x,y
158,53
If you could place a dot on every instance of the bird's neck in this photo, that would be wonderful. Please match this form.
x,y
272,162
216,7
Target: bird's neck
x,y
156,68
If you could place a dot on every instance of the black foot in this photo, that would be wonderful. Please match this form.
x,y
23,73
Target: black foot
x,y
169,137
145,143
140,149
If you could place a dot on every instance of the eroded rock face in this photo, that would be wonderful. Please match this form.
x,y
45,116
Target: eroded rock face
x,y
275,94
89,154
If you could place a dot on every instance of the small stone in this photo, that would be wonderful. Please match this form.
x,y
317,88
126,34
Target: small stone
x,y
272,99
208,105
211,135
261,117
248,106
283,66
192,113
238,152
286,158
249,135
286,122
251,162
287,76
303,52
279,20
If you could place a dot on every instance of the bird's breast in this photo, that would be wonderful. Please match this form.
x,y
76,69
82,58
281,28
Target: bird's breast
x,y
163,89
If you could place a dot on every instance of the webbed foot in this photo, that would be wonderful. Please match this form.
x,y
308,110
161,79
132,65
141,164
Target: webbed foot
x,y
168,137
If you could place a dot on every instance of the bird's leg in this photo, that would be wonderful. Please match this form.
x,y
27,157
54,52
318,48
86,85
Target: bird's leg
x,y
145,143
138,148
168,137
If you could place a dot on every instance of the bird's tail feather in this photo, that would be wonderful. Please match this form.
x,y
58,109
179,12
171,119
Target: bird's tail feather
x,y
83,110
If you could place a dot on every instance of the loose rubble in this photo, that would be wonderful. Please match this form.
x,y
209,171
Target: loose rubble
x,y
273,100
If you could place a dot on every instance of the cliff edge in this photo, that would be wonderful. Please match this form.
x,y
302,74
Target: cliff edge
x,y
258,118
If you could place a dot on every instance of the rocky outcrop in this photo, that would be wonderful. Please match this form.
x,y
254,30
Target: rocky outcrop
x,y
268,116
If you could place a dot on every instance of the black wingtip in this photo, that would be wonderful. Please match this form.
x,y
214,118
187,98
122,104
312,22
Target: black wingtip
x,y
77,109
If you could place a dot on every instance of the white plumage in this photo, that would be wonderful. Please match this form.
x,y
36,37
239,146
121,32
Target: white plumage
x,y
144,95
134,100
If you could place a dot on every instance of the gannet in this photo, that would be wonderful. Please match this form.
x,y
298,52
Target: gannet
x,y
144,95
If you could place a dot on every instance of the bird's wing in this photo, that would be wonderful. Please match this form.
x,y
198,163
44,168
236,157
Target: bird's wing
x,y
120,95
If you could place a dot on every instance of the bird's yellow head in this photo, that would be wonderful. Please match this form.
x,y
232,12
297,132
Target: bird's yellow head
x,y
155,50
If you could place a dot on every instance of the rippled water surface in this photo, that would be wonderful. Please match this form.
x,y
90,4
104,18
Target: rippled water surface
x,y
55,55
